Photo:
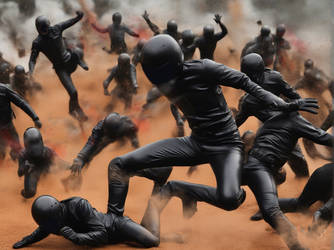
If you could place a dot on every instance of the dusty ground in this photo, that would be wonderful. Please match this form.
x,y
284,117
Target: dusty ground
x,y
210,228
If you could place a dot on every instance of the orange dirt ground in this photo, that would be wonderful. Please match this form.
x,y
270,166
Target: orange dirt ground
x,y
210,228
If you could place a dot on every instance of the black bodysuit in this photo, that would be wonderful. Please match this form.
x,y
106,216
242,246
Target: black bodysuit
x,y
32,168
64,61
84,225
272,148
8,134
126,85
251,106
207,46
116,34
215,138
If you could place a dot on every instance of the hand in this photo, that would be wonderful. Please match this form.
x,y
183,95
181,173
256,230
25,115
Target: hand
x,y
106,92
79,13
38,123
77,166
20,244
145,15
305,104
217,18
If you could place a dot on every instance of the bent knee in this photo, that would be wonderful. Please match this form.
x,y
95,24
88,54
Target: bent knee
x,y
28,193
152,242
230,202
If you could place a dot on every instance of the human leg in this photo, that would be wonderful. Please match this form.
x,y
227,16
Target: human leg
x,y
262,184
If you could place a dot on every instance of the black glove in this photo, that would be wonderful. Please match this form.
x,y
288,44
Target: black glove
x,y
20,244
305,104
77,166
38,123
217,18
145,15
79,13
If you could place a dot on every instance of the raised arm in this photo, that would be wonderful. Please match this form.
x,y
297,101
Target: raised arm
x,y
33,57
107,81
223,28
223,75
36,236
22,104
68,23
155,29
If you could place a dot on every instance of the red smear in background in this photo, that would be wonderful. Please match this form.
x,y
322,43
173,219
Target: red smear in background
x,y
295,42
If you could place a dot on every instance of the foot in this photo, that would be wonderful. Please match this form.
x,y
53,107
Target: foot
x,y
257,216
26,195
189,207
192,170
79,115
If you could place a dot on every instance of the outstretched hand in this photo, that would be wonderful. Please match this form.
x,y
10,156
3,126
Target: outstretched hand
x,y
77,166
306,104
79,13
38,123
217,18
19,244
145,15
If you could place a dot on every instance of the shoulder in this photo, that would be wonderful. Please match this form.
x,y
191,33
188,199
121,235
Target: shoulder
x,y
272,74
75,202
36,41
3,88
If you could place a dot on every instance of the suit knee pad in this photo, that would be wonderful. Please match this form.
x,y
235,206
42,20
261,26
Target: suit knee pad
x,y
116,172
231,202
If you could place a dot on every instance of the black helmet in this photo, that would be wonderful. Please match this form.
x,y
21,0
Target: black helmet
x,y
308,64
265,31
117,18
162,59
171,26
19,69
188,37
4,68
42,25
141,43
280,30
112,124
48,213
33,142
124,59
253,66
208,31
